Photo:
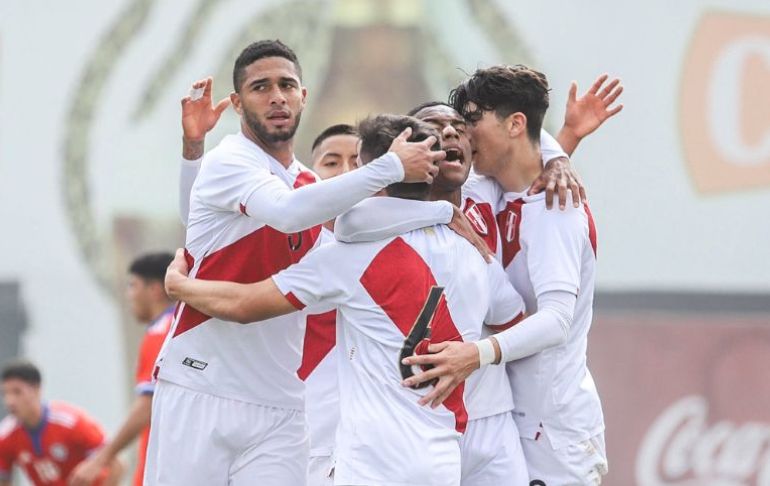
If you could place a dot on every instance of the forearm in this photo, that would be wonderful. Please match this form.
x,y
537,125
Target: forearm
x,y
546,328
231,301
382,217
188,172
138,418
307,206
192,149
568,140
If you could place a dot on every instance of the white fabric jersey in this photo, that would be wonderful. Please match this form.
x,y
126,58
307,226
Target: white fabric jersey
x,y
546,251
242,206
379,289
319,372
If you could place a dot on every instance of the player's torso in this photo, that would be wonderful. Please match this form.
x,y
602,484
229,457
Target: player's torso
x,y
380,418
50,453
255,362
486,391
553,387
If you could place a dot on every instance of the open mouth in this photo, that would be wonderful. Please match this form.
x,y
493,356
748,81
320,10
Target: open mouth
x,y
454,155
279,115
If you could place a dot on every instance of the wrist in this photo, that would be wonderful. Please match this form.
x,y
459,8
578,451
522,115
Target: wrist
x,y
192,149
486,352
568,138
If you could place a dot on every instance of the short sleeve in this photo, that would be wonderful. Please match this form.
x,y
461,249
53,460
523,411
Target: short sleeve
x,y
555,248
314,281
148,353
227,184
506,306
88,434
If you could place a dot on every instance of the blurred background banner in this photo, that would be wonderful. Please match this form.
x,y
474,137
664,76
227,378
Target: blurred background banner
x,y
679,183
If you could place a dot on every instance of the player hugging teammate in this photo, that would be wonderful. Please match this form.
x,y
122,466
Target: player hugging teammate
x,y
454,302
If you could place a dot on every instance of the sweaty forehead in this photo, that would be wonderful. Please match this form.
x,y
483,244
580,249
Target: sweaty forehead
x,y
438,113
271,68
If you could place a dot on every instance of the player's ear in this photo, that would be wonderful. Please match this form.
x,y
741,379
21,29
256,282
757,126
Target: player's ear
x,y
516,124
304,96
235,99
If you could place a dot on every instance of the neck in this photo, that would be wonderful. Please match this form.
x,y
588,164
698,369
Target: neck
x,y
283,151
454,196
34,418
523,165
158,308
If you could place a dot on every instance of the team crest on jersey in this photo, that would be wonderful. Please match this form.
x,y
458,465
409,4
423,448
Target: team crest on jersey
x,y
25,457
510,226
476,219
59,452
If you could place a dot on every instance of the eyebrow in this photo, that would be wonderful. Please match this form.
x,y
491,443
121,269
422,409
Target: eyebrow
x,y
282,79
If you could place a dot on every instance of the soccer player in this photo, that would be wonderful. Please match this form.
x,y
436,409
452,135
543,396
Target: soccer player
x,y
335,151
550,256
392,297
46,439
253,211
150,306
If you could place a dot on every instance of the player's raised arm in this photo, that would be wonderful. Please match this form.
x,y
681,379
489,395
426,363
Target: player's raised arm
x,y
199,116
587,113
243,303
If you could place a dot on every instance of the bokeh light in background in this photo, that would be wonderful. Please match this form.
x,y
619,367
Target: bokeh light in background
x,y
679,183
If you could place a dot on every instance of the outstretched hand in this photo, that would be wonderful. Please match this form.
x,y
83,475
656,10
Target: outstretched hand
x,y
587,113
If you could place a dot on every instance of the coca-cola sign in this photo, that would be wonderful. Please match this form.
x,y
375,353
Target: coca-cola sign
x,y
686,398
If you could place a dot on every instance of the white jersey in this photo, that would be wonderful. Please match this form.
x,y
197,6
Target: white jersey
x,y
319,372
547,251
379,289
255,363
486,391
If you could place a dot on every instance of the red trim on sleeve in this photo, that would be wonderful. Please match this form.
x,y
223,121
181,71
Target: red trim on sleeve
x,y
294,301
495,328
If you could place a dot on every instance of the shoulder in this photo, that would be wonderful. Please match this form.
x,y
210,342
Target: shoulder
x,y
66,415
160,327
482,189
8,426
234,150
536,218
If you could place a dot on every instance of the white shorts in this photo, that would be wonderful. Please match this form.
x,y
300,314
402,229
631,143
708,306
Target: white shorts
x,y
491,453
581,464
197,438
320,471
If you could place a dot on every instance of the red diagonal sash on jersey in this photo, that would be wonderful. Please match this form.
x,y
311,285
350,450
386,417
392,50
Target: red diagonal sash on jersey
x,y
320,338
399,281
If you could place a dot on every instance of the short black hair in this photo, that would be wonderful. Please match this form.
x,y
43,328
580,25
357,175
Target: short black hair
x,y
377,134
427,104
505,90
151,266
332,131
259,50
21,369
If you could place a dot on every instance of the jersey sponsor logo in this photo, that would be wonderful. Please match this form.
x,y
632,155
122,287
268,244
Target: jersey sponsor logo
x,y
476,219
724,114
59,452
195,364
682,448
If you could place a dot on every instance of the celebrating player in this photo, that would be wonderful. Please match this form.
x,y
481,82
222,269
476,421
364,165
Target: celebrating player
x,y
253,212
151,306
46,439
384,291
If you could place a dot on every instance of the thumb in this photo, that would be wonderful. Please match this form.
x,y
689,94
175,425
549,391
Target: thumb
x,y
221,106
438,347
572,92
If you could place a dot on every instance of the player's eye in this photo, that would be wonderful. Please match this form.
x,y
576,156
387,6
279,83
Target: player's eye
x,y
330,164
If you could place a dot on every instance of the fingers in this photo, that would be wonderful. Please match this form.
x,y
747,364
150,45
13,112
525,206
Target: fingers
x,y
583,194
186,100
428,375
575,190
613,96
607,89
549,193
562,193
207,84
536,186
614,111
404,136
436,156
438,347
598,83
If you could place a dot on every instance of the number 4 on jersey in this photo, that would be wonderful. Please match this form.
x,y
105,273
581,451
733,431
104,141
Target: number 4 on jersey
x,y
420,333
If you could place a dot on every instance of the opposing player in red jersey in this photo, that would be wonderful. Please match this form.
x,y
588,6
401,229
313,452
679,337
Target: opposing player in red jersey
x,y
46,439
150,306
